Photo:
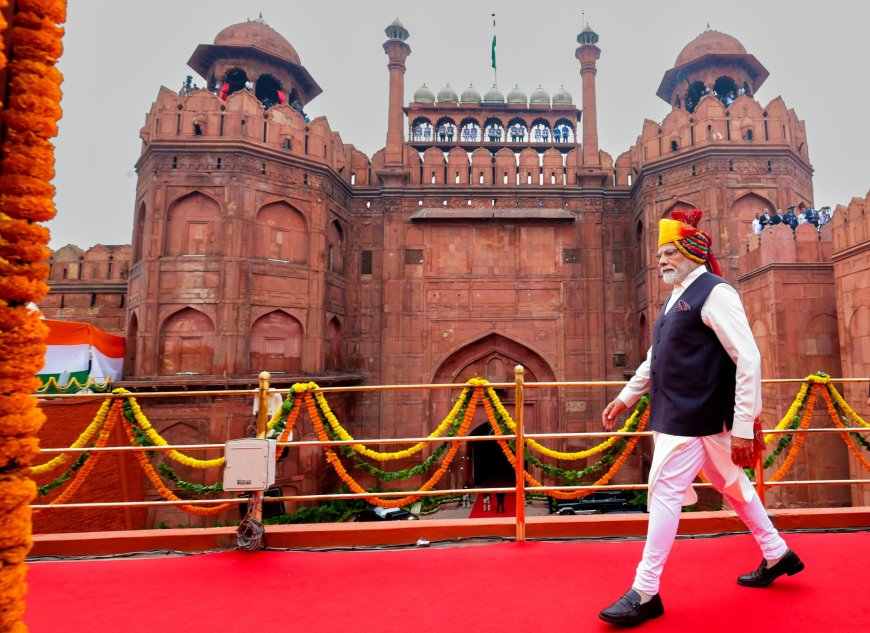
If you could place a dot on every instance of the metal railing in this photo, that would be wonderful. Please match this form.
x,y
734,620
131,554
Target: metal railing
x,y
520,488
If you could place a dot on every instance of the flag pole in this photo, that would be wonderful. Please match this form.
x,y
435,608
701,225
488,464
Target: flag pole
x,y
494,68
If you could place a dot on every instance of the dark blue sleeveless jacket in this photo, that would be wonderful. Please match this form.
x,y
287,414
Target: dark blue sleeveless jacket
x,y
692,378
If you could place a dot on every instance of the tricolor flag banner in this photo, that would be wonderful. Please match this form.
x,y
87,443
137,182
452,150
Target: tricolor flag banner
x,y
81,351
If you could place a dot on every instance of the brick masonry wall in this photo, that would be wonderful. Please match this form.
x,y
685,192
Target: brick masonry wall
x,y
115,478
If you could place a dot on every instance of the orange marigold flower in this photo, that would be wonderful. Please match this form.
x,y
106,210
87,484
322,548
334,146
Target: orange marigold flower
x,y
54,10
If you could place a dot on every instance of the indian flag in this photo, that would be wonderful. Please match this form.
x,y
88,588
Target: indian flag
x,y
81,351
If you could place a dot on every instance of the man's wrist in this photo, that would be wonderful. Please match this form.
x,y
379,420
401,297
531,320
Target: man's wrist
x,y
742,430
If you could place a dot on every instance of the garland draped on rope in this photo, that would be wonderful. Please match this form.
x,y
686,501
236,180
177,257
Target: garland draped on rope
x,y
317,416
613,451
73,386
494,410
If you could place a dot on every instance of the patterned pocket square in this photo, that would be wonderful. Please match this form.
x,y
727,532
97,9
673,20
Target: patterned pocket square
x,y
682,306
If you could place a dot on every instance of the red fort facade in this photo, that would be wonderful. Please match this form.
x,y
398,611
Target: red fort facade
x,y
490,231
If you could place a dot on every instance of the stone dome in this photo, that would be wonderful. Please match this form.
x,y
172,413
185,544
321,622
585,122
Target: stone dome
x,y
493,95
470,95
258,34
709,43
447,95
540,97
562,97
517,96
424,95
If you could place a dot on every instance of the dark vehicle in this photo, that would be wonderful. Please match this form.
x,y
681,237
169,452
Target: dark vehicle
x,y
595,503
385,514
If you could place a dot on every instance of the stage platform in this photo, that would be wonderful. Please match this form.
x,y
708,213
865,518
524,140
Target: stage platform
x,y
465,584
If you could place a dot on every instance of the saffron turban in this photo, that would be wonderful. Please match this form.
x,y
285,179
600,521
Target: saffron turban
x,y
682,229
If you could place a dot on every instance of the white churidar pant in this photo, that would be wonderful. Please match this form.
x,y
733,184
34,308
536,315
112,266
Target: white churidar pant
x,y
676,462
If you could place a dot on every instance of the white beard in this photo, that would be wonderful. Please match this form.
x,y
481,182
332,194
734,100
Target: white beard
x,y
678,273
672,277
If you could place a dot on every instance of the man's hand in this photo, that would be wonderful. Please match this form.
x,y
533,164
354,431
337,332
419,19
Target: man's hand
x,y
611,412
742,451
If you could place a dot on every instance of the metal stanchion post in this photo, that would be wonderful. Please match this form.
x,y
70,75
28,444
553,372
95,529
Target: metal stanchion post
x,y
520,452
759,477
262,416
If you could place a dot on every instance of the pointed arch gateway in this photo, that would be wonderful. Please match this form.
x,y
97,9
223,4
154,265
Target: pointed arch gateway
x,y
494,357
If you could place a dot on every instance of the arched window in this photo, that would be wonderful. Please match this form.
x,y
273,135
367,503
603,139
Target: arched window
x,y
696,90
469,131
130,346
446,130
276,343
421,129
269,91
493,131
334,247
280,233
540,132
186,344
193,227
139,234
563,131
725,89
518,131
234,80
332,346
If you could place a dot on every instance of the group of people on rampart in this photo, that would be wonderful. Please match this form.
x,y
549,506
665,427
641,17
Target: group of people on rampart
x,y
791,218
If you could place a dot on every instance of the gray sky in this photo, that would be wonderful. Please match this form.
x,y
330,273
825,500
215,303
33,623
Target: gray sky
x,y
118,54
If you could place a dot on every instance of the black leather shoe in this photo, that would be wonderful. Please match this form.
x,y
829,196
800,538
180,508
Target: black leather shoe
x,y
628,611
789,564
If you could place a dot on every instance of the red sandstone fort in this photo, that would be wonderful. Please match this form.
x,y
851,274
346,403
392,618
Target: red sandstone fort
x,y
490,231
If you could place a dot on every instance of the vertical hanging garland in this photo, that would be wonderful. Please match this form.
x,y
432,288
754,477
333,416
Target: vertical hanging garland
x,y
28,119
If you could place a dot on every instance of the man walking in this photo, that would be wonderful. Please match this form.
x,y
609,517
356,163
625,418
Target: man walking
x,y
703,373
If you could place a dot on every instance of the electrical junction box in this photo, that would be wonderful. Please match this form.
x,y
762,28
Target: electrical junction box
x,y
250,464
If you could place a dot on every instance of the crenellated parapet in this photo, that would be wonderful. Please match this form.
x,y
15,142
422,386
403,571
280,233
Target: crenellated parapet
x,y
851,236
89,285
851,225
200,122
744,125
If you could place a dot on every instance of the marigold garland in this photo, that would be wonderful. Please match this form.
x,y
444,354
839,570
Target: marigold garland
x,y
342,433
81,441
801,438
425,465
158,440
850,412
606,444
102,441
74,386
559,494
573,476
162,490
32,40
335,461
847,437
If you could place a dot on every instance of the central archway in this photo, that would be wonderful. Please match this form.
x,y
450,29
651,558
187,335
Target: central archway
x,y
494,357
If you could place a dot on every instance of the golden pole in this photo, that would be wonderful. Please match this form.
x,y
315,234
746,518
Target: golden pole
x,y
262,415
520,452
759,474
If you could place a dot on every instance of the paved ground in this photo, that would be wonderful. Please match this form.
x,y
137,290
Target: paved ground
x,y
454,511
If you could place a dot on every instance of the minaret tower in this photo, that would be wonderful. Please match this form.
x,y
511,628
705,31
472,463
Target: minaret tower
x,y
588,53
397,50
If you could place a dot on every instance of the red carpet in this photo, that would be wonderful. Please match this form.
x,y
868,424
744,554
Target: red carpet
x,y
532,587
510,507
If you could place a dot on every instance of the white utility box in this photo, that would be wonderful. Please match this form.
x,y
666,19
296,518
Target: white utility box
x,y
250,464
